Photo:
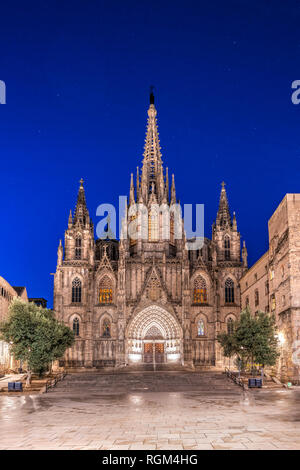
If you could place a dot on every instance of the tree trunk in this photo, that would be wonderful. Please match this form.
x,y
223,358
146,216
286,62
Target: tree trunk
x,y
28,380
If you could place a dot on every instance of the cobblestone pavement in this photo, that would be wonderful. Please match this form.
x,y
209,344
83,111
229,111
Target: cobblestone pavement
x,y
162,410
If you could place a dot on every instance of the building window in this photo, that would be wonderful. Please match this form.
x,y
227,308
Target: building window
x,y
200,328
106,330
229,291
282,271
200,291
76,326
227,247
247,301
267,288
273,302
283,300
133,229
154,288
105,291
256,297
78,248
153,226
230,326
76,290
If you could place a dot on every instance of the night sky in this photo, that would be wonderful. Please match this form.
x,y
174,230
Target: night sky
x,y
78,75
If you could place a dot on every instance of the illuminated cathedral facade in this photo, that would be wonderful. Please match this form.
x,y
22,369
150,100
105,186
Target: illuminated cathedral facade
x,y
148,300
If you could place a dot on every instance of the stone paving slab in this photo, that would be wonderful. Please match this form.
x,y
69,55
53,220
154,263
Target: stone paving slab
x,y
200,410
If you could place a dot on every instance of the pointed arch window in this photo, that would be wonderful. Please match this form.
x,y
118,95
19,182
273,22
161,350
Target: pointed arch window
x,y
229,291
131,219
256,297
76,290
154,288
106,328
78,248
76,326
200,291
227,247
230,326
200,328
153,226
105,291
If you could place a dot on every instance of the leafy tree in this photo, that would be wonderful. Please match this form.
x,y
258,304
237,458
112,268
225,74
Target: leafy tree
x,y
227,342
266,340
253,340
35,335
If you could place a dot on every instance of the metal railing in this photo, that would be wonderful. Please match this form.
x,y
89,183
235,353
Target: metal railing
x,y
52,382
234,378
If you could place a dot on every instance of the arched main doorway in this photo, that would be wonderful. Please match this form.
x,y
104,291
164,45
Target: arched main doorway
x,y
154,336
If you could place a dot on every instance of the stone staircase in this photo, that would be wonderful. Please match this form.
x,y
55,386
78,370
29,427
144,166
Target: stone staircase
x,y
214,384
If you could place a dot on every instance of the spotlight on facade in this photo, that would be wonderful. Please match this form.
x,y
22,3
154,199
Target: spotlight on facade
x,y
135,357
281,338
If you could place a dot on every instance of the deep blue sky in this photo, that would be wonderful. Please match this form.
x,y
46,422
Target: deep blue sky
x,y
78,76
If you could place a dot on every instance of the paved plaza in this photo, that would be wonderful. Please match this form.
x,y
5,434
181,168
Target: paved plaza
x,y
151,410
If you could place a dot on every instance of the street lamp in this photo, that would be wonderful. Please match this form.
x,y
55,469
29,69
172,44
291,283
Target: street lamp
x,y
281,338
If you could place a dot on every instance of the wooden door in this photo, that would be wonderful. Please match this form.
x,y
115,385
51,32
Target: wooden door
x,y
159,353
148,352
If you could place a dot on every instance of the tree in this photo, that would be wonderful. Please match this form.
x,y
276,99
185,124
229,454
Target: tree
x,y
35,335
227,342
266,340
254,339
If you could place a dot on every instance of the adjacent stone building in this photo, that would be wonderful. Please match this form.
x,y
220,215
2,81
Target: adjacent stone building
x,y
7,294
148,300
273,283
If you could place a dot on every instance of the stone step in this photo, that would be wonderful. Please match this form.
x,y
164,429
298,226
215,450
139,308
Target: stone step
x,y
216,384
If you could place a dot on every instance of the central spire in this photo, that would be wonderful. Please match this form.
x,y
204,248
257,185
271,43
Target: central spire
x,y
152,179
152,169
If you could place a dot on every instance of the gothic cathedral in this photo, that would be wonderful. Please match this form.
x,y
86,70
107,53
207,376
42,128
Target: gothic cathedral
x,y
148,300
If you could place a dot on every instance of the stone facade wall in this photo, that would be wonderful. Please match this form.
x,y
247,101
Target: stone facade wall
x,y
7,294
280,268
254,286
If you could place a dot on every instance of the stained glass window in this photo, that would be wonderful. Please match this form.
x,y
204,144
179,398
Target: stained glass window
x,y
105,291
76,290
229,291
200,327
76,326
106,328
200,291
154,288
